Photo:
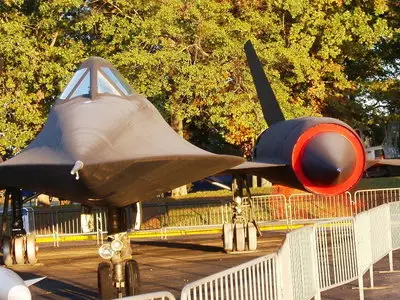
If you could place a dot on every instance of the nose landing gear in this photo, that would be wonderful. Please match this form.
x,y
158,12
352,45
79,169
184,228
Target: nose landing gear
x,y
242,233
120,276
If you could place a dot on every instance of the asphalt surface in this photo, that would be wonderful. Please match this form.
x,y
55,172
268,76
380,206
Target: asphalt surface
x,y
386,285
168,265
165,265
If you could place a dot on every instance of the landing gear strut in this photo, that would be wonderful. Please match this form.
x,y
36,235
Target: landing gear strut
x,y
242,233
20,248
120,276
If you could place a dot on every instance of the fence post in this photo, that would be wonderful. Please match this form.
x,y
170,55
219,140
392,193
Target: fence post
x,y
350,201
97,230
209,215
99,225
361,286
314,260
55,229
166,215
288,212
371,275
354,209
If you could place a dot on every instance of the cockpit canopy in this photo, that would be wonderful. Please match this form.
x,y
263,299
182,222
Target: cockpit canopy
x,y
94,77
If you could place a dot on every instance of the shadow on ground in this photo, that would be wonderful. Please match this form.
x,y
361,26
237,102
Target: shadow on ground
x,y
50,287
178,245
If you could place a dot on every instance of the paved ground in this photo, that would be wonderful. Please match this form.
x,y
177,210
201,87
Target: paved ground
x,y
169,265
164,265
386,285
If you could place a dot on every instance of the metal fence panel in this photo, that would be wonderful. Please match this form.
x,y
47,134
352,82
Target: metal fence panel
x,y
262,208
367,199
64,221
311,207
380,232
335,252
256,279
363,241
303,276
284,265
267,208
395,224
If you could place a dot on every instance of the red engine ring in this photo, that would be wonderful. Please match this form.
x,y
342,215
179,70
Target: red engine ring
x,y
332,190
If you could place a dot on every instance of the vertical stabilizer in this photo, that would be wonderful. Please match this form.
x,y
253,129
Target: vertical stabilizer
x,y
270,107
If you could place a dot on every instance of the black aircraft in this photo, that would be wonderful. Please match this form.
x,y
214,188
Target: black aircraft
x,y
316,154
104,145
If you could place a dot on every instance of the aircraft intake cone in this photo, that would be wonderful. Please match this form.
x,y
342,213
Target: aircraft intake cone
x,y
328,159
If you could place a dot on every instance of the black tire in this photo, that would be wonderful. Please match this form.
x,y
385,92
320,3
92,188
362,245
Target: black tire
x,y
132,278
104,281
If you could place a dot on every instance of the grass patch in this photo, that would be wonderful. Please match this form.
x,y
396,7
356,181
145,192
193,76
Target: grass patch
x,y
378,183
220,194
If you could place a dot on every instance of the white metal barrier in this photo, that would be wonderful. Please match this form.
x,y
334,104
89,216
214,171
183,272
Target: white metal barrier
x,y
264,208
374,241
296,267
367,199
268,208
298,208
312,259
151,296
256,279
395,224
336,255
311,207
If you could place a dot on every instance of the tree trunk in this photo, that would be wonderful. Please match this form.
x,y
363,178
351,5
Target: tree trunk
x,y
177,125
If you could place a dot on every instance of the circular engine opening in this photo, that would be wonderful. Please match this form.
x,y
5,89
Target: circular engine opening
x,y
328,159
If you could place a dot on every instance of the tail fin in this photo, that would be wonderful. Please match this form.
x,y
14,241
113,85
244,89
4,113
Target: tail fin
x,y
270,107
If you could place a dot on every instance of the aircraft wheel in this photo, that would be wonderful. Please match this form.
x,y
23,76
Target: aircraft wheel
x,y
240,237
104,281
7,253
132,277
19,250
228,237
251,237
31,249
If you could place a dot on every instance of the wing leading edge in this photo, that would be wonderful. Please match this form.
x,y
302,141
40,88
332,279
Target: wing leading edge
x,y
382,162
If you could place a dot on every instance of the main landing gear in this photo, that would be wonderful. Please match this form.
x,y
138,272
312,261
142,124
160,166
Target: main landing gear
x,y
120,275
242,233
20,248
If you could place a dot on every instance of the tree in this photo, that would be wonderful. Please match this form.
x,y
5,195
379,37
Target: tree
x,y
37,56
187,57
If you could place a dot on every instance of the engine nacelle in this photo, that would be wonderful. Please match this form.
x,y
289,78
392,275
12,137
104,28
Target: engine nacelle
x,y
12,286
323,155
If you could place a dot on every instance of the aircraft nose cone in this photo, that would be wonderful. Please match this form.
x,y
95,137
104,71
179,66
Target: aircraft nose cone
x,y
19,292
328,158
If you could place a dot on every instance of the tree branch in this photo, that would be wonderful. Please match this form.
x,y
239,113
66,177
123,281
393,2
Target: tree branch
x,y
54,39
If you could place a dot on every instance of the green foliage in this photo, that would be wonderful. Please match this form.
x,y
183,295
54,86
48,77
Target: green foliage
x,y
37,56
187,57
